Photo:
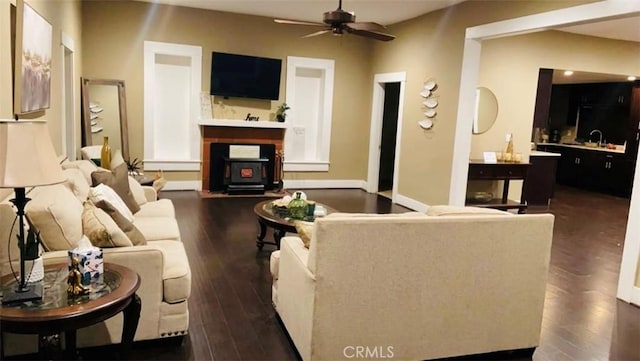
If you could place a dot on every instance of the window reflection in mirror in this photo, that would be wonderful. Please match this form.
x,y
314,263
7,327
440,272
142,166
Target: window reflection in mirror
x,y
486,110
104,114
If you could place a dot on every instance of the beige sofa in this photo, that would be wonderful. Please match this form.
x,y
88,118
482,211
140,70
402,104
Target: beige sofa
x,y
162,263
414,287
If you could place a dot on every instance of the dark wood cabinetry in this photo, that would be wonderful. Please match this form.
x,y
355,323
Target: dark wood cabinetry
x,y
602,106
594,170
479,170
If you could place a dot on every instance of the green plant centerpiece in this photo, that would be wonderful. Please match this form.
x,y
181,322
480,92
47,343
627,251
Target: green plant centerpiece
x,y
281,112
297,207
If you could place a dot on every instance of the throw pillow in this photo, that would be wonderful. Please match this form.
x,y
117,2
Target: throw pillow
x,y
103,192
118,179
101,229
305,231
129,229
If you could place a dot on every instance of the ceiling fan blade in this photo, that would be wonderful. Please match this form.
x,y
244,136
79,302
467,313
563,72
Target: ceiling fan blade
x,y
297,22
372,34
317,33
368,26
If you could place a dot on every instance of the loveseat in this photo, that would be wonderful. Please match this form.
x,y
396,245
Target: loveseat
x,y
57,212
458,281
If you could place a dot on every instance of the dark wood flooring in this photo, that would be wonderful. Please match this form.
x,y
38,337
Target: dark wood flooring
x,y
232,318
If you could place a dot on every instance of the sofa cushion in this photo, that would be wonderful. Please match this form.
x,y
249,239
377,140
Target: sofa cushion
x,y
101,229
444,210
158,228
77,183
103,192
137,191
305,231
86,167
136,237
176,274
274,264
159,208
352,215
56,213
118,179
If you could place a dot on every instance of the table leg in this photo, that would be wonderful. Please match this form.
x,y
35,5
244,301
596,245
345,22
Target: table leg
x,y
70,345
131,315
263,233
277,236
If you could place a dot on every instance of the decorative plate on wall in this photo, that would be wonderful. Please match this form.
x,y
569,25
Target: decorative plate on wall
x,y
431,103
430,113
425,93
430,84
426,124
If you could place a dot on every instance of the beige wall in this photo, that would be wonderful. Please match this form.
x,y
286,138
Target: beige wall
x,y
113,39
64,16
431,46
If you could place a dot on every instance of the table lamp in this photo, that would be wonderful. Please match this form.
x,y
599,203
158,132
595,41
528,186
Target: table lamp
x,y
27,159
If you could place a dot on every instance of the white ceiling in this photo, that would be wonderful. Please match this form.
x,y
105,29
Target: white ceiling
x,y
384,12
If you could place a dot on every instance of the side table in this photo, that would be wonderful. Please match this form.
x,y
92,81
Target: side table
x,y
56,313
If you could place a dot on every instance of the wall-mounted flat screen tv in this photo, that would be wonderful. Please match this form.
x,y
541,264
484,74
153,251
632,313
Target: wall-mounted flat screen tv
x,y
244,76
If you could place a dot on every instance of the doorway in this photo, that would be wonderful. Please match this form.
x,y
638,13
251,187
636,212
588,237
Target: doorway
x,y
385,136
388,138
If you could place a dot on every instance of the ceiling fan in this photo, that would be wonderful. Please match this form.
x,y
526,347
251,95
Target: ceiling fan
x,y
339,21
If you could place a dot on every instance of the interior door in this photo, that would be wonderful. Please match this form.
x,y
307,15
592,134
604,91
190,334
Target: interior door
x,y
388,141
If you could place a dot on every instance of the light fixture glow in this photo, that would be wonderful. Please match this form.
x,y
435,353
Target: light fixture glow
x,y
631,78
568,72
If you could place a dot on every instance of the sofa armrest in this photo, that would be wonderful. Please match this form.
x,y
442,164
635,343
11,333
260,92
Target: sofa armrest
x,y
296,292
150,193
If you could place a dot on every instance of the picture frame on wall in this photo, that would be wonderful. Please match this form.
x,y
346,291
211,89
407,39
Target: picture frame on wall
x,y
33,50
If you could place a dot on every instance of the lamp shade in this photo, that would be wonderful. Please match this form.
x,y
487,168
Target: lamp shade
x,y
27,156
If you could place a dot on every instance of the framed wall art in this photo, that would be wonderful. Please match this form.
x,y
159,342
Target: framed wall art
x,y
33,47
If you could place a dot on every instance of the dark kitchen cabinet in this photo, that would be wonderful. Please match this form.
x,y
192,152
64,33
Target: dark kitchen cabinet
x,y
594,170
633,133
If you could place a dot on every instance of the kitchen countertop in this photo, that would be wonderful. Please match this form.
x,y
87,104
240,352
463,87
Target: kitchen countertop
x,y
577,146
539,153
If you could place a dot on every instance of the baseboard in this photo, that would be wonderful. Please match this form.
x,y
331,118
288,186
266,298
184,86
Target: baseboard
x,y
411,203
183,186
635,296
324,183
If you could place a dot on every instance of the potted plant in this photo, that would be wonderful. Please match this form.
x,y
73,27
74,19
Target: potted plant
x,y
134,166
281,112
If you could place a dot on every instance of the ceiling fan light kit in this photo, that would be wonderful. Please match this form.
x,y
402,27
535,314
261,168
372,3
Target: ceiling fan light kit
x,y
339,21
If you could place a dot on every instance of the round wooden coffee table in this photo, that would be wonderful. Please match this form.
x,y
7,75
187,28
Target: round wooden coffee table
x,y
269,217
57,313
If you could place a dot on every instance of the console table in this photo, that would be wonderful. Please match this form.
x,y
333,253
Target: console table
x,y
505,171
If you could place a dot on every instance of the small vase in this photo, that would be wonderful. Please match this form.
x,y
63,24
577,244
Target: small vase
x,y
297,207
280,118
105,154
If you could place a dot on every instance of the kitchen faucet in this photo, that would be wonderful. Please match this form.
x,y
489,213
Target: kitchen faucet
x,y
599,140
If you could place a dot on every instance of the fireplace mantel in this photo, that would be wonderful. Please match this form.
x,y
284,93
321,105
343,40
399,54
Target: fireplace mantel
x,y
238,132
209,122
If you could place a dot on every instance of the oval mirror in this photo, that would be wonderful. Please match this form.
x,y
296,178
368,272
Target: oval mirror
x,y
486,110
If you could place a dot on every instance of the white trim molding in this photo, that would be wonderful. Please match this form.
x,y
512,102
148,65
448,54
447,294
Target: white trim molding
x,y
152,50
325,184
307,134
411,203
183,186
375,136
308,166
